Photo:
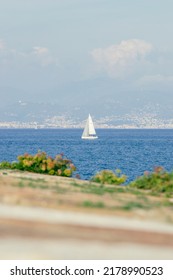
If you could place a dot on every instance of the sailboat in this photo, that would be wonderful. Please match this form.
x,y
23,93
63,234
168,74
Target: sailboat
x,y
89,130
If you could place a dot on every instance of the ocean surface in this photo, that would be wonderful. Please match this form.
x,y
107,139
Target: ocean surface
x,y
131,150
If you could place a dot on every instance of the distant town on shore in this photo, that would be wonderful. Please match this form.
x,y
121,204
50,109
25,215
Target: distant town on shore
x,y
133,121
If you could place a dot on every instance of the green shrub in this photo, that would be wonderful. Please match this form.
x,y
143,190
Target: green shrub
x,y
42,163
88,203
109,177
5,165
158,181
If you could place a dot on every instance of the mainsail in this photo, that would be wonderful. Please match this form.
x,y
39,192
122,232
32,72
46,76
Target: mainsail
x,y
89,130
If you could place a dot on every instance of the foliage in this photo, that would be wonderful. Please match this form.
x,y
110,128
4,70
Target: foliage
x,y
158,181
109,177
5,165
131,205
42,163
98,204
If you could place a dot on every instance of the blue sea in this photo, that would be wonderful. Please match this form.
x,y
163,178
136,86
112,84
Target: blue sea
x,y
131,150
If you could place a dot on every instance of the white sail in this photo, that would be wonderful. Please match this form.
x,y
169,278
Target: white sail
x,y
89,130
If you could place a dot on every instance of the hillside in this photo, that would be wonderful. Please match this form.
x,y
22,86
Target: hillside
x,y
47,217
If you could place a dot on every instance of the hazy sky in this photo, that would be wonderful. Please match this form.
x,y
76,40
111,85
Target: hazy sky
x,y
46,45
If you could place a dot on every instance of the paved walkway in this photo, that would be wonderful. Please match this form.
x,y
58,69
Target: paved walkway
x,y
63,217
39,233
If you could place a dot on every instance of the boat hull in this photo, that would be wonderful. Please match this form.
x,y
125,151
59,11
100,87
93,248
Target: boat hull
x,y
89,137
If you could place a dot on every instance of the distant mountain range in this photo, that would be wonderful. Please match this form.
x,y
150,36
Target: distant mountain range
x,y
109,102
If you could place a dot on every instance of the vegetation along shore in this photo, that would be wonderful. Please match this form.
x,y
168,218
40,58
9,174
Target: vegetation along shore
x,y
30,184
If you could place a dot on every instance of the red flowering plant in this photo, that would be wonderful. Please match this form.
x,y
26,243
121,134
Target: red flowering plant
x,y
42,163
158,181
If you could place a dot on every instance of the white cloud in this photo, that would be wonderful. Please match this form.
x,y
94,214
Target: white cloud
x,y
43,55
39,55
119,60
40,51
